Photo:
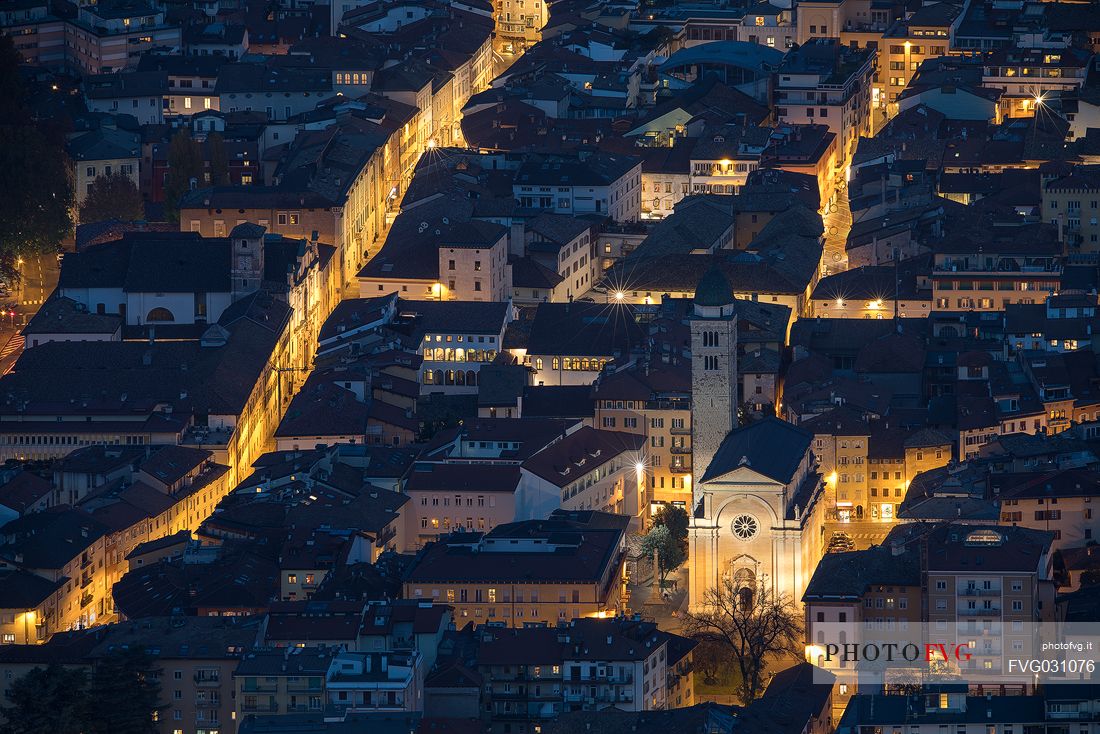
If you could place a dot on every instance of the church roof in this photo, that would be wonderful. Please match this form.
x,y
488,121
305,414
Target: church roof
x,y
770,447
714,289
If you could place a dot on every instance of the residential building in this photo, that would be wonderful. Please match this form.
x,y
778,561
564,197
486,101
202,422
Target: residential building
x,y
274,681
589,469
654,403
534,674
1072,204
446,497
596,183
562,568
987,271
107,37
824,83
375,681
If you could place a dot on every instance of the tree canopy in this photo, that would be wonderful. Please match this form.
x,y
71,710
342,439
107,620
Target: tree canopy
x,y
185,164
121,697
112,197
36,182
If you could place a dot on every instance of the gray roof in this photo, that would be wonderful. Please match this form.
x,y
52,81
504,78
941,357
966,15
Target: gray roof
x,y
714,289
126,84
770,447
152,262
64,316
847,575
731,53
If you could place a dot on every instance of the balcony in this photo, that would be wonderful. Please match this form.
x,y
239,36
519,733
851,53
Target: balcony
x,y
680,431
680,449
259,687
208,703
980,592
86,599
980,612
260,708
205,681
1003,266
86,582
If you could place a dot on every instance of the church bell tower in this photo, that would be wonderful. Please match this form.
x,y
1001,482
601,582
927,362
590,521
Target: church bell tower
x,y
713,371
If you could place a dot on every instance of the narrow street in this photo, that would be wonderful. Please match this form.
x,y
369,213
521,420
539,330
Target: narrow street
x,y
39,278
837,220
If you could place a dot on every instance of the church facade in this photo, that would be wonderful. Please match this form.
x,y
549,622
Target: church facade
x,y
757,514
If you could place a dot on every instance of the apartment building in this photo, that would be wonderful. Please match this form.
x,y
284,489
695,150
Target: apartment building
x,y
26,612
841,439
102,152
924,34
136,93
769,25
983,272
195,658
110,36
824,83
272,681
987,585
723,158
589,469
446,497
37,34
532,674
519,24
571,343
1029,76
850,592
569,566
594,183
1072,204
566,246
67,548
1058,502
375,681
654,403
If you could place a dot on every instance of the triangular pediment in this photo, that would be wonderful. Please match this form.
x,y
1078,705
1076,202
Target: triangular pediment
x,y
743,474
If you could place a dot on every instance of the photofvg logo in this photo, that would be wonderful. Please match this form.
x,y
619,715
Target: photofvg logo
x,y
929,652
974,650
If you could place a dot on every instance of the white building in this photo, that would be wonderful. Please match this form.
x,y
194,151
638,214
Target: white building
x,y
596,183
589,469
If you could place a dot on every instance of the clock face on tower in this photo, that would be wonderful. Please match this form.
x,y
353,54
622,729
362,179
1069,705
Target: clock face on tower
x,y
745,527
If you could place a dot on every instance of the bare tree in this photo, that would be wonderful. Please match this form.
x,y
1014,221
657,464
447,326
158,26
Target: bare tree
x,y
752,624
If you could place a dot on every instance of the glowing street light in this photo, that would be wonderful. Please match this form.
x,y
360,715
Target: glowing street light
x,y
619,295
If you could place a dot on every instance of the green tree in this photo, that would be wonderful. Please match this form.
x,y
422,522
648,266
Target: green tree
x,y
670,552
124,695
219,160
36,182
112,197
675,518
46,701
11,84
185,164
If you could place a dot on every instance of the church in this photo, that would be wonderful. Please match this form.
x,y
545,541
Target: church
x,y
757,495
